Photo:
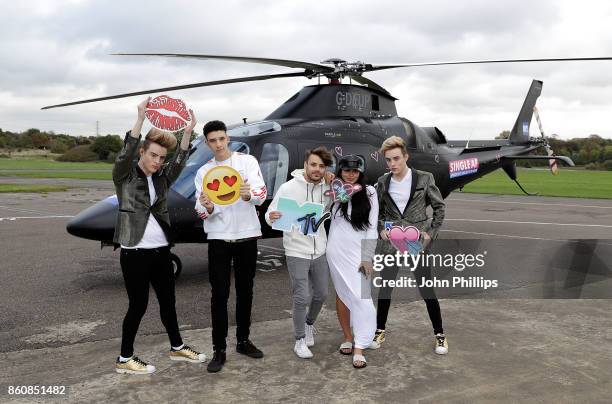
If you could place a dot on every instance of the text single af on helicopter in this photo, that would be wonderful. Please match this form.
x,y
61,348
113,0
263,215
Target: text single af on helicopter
x,y
345,118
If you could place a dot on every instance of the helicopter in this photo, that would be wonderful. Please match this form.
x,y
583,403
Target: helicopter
x,y
346,119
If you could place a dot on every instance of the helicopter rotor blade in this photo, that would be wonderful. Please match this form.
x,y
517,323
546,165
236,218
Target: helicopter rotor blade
x,y
266,61
310,70
183,87
370,68
369,83
366,67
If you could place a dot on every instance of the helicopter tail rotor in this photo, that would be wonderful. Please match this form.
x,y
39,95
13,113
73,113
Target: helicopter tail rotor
x,y
552,163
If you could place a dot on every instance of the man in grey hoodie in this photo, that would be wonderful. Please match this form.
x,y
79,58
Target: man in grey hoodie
x,y
305,253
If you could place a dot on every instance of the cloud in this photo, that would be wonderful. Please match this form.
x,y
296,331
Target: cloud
x,y
59,51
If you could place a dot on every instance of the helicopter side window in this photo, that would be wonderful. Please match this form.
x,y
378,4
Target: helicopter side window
x,y
332,168
363,160
410,137
274,165
375,103
200,155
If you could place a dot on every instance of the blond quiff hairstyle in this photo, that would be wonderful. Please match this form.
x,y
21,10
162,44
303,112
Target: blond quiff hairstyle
x,y
392,143
162,138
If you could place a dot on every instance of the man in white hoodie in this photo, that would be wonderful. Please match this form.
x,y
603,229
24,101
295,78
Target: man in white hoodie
x,y
232,232
305,254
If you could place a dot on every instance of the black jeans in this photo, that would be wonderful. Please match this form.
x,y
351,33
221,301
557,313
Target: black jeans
x,y
427,293
220,256
140,268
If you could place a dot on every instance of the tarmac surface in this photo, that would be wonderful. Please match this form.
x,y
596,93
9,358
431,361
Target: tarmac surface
x,y
63,302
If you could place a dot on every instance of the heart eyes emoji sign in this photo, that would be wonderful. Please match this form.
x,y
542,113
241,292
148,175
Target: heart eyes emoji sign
x,y
222,185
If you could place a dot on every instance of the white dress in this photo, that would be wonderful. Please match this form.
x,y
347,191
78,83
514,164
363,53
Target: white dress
x,y
344,257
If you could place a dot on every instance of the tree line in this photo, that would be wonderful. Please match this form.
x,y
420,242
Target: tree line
x,y
70,148
592,152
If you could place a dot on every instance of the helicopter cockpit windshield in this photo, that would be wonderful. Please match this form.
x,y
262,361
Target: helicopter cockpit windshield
x,y
184,185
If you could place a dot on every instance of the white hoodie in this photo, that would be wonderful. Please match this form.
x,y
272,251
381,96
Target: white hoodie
x,y
295,242
238,220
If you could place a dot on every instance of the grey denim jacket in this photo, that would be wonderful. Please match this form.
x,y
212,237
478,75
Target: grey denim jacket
x,y
424,192
133,193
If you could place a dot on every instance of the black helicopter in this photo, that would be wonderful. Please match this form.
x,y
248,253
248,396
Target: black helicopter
x,y
347,119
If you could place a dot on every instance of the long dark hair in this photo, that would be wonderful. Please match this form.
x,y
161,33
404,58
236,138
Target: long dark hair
x,y
360,212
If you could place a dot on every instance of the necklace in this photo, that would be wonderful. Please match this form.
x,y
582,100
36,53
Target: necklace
x,y
230,159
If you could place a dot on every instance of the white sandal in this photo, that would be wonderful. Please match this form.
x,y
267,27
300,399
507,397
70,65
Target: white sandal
x,y
346,345
359,358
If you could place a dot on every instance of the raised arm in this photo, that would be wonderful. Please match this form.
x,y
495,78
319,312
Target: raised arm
x,y
124,159
174,168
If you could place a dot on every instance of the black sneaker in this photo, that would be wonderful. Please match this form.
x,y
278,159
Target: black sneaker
x,y
247,348
217,361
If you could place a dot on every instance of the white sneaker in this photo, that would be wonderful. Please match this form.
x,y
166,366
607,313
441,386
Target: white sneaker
x,y
310,332
301,350
440,344
373,345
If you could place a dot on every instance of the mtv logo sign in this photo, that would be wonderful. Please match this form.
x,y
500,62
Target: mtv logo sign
x,y
305,218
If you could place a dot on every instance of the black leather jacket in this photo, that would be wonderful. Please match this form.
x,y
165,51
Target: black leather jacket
x,y
133,193
424,192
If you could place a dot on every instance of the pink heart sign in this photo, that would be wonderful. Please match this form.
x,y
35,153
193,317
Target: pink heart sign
x,y
405,238
338,150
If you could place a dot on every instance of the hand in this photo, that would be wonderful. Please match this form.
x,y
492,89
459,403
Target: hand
x,y
329,177
384,234
142,107
367,265
275,215
191,124
426,239
206,202
245,191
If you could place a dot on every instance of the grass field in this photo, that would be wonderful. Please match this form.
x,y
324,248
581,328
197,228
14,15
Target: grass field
x,y
31,188
46,164
77,175
45,168
569,183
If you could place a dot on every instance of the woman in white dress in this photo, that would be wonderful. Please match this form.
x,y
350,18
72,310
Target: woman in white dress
x,y
351,223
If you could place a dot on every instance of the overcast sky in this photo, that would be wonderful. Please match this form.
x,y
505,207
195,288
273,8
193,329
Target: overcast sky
x,y
58,51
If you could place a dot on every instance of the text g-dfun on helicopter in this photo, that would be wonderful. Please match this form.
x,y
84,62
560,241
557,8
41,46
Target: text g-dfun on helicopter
x,y
345,118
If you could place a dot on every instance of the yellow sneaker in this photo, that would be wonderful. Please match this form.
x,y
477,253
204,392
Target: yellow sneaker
x,y
440,344
379,338
187,354
134,366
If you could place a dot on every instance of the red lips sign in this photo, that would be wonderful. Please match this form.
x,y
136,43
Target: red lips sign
x,y
167,113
